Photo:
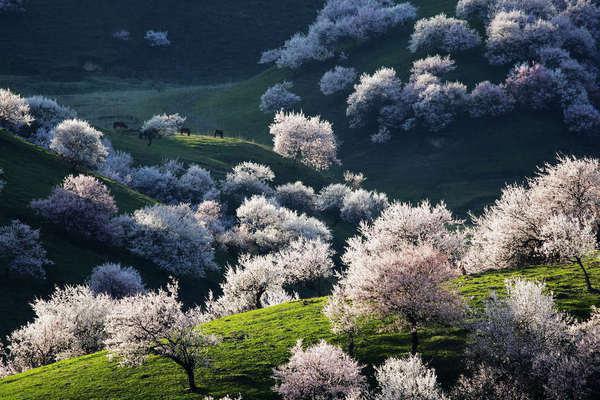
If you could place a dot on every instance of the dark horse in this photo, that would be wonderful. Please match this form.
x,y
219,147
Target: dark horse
x,y
185,131
120,125
219,133
149,135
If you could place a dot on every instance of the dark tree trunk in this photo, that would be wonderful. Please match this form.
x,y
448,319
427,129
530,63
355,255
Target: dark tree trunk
x,y
588,282
414,339
191,380
351,344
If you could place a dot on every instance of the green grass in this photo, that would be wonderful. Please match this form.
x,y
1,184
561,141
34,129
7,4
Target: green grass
x,y
254,342
31,173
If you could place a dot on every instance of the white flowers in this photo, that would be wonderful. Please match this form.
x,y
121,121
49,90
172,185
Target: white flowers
x,y
157,38
14,110
337,79
278,97
79,143
442,33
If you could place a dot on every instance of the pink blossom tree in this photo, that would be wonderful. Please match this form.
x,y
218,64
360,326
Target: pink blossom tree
x,y
321,371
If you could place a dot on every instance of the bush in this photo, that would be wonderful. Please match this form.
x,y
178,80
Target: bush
x,y
442,33
171,237
434,65
296,196
362,205
157,38
278,97
115,281
489,100
14,111
307,139
337,79
79,143
21,251
81,204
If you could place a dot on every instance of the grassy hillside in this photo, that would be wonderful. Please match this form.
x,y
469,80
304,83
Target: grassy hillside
x,y
256,341
31,172
466,164
211,40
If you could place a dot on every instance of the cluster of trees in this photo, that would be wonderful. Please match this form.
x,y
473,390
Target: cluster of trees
x,y
521,347
336,22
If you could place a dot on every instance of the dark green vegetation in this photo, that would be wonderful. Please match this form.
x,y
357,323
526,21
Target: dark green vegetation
x,y
210,39
256,341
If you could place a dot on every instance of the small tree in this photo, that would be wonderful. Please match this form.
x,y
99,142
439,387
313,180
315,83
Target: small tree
x,y
82,204
337,79
321,371
247,179
14,111
296,196
414,293
21,250
47,113
155,324
442,33
565,239
363,205
488,99
79,143
434,65
407,378
116,281
278,97
307,139
161,125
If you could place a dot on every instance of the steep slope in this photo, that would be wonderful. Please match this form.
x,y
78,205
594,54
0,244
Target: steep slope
x,y
256,341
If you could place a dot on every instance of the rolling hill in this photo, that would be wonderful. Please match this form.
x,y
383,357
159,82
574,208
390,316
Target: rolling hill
x,y
256,341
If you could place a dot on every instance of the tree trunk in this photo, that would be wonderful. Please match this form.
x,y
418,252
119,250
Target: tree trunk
x,y
414,339
191,380
588,283
351,344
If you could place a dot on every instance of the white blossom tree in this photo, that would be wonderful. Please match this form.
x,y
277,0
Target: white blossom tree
x,y
296,196
79,143
47,114
414,294
535,86
155,324
321,371
278,97
21,251
247,179
172,237
442,33
115,280
363,205
489,100
337,79
14,111
81,204
434,65
407,378
308,139
157,38
161,125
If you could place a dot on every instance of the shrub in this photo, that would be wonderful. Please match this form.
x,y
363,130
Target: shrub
x,y
247,179
157,38
278,97
489,100
535,86
14,111
79,143
47,113
442,33
308,139
115,281
81,204
434,65
264,225
338,21
337,79
171,237
371,94
320,371
407,378
70,323
21,250
362,205
331,197
296,196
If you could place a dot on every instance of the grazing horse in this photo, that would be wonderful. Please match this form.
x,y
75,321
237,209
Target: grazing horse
x,y
185,131
120,125
219,133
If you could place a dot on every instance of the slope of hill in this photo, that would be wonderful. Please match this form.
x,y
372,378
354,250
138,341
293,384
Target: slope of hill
x,y
31,172
256,341
210,39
